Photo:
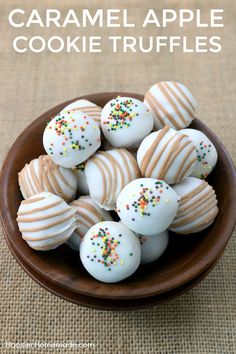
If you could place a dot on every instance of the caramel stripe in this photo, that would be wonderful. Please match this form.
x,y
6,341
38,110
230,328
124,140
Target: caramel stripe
x,y
113,163
26,185
41,218
177,175
90,208
29,181
117,168
173,153
153,164
179,100
183,94
35,210
133,162
32,200
22,185
183,174
100,167
126,164
195,215
79,232
151,101
191,194
45,227
47,237
211,215
36,184
147,157
63,179
171,101
86,217
193,208
185,207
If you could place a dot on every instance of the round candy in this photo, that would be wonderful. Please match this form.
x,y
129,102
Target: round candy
x,y
206,153
82,184
42,175
167,155
171,104
88,108
126,121
198,206
88,213
71,138
147,206
110,252
45,221
107,173
152,247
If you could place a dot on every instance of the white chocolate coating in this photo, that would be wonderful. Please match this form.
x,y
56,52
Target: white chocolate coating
x,y
172,104
167,155
45,221
88,213
147,206
82,184
206,152
107,173
88,108
126,121
71,138
42,175
110,252
152,247
198,206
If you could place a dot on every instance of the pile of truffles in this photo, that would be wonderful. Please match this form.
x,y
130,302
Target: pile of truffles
x,y
136,159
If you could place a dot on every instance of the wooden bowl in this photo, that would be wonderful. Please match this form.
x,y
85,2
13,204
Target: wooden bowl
x,y
185,259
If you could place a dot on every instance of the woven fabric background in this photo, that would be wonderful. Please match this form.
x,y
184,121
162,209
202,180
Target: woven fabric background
x,y
202,321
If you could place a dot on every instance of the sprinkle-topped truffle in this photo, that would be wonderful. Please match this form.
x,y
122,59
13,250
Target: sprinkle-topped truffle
x,y
206,153
126,121
70,138
147,206
110,251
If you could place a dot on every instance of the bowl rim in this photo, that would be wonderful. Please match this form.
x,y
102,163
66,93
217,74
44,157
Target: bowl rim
x,y
179,279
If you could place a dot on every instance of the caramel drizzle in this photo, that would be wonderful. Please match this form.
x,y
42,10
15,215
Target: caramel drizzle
x,y
41,218
51,236
48,226
179,100
183,94
164,89
101,169
82,204
175,145
48,176
92,111
35,210
151,101
186,207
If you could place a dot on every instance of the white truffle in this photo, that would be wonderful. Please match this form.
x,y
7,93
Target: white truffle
x,y
45,221
90,109
88,213
43,175
110,252
152,247
206,152
107,173
126,121
198,206
172,104
71,138
82,184
147,206
167,155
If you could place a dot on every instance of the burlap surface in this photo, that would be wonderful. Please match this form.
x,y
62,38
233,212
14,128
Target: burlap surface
x,y
204,319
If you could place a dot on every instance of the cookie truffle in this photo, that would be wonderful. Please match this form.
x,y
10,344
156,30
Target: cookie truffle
x,y
107,173
167,155
43,175
46,221
206,153
147,206
70,138
126,121
152,247
171,104
198,206
88,108
82,184
110,252
88,213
